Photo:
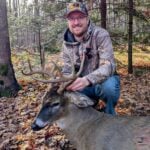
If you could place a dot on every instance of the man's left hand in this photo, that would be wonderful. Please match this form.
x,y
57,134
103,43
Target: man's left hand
x,y
78,84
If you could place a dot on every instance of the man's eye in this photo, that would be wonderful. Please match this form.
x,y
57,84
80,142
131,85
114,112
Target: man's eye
x,y
81,17
71,18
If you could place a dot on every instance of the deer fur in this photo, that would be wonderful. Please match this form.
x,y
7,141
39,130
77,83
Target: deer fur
x,y
89,129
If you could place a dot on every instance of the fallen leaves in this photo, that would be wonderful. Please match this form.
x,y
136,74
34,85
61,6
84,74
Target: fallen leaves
x,y
17,114
135,95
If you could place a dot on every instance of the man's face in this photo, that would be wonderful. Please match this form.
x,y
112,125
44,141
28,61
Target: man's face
x,y
77,23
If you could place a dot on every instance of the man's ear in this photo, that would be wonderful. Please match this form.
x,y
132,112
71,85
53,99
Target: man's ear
x,y
79,99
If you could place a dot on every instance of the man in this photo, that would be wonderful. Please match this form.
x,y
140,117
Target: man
x,y
98,79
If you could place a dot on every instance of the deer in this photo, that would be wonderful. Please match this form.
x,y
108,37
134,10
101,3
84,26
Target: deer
x,y
84,126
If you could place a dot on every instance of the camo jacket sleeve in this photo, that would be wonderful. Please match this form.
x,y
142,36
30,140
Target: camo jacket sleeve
x,y
106,59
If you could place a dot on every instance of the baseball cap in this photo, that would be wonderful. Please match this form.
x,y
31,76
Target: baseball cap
x,y
76,7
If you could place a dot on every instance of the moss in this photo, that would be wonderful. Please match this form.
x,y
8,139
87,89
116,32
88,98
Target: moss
x,y
5,93
139,71
10,91
3,69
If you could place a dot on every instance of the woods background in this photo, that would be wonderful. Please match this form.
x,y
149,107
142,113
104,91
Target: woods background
x,y
33,29
39,25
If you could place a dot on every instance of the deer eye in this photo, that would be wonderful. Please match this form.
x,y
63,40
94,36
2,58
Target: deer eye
x,y
55,104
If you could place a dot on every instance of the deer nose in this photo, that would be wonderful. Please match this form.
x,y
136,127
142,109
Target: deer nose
x,y
35,127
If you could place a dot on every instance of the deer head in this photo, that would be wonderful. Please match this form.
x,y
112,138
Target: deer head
x,y
56,99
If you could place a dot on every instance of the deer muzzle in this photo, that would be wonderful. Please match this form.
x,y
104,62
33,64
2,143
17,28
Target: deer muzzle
x,y
38,124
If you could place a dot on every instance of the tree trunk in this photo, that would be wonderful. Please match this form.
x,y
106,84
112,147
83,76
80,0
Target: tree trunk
x,y
103,10
90,4
8,83
130,67
37,25
38,33
9,3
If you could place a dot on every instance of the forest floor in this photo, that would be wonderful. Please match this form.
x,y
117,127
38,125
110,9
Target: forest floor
x,y
17,114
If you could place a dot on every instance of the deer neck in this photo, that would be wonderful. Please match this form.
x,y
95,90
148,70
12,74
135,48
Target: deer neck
x,y
76,117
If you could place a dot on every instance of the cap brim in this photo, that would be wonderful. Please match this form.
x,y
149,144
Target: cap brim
x,y
75,11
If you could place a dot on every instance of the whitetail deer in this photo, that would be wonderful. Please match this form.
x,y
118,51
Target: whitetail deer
x,y
87,128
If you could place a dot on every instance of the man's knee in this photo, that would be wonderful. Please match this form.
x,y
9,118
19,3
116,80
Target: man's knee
x,y
111,84
109,89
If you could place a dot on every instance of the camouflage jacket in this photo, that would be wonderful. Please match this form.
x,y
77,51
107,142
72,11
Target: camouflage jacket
x,y
99,62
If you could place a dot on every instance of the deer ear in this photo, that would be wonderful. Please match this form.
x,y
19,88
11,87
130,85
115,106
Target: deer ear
x,y
79,99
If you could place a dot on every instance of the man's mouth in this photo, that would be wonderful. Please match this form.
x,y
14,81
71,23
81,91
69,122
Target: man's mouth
x,y
77,26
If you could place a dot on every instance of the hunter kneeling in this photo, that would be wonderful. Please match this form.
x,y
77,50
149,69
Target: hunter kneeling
x,y
99,79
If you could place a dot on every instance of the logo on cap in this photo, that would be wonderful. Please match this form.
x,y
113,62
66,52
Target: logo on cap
x,y
71,7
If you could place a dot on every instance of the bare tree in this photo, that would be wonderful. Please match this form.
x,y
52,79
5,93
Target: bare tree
x,y
90,4
8,83
130,30
103,10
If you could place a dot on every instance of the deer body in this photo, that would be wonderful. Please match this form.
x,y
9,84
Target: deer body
x,y
89,129
92,130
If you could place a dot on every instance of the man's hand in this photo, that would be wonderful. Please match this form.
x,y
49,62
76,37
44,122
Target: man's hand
x,y
78,84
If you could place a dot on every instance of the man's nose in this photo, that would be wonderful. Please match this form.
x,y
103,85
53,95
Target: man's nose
x,y
76,21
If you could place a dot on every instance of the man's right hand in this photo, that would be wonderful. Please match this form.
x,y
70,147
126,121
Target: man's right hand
x,y
78,84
